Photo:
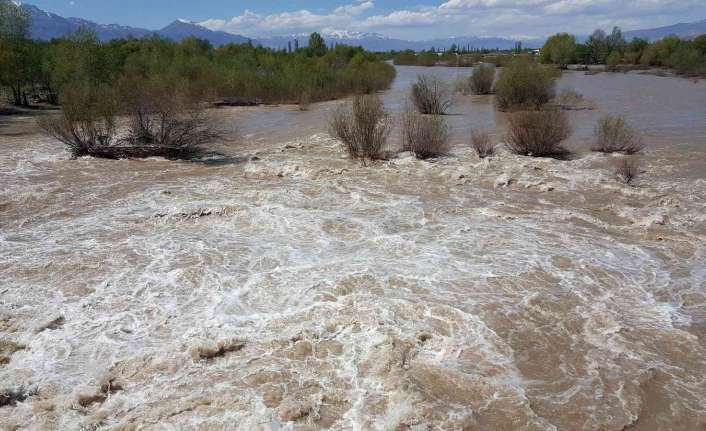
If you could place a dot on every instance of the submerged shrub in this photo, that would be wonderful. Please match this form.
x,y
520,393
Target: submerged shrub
x,y
431,96
482,79
569,97
363,126
523,85
614,135
482,144
627,169
426,136
304,101
538,133
87,122
163,120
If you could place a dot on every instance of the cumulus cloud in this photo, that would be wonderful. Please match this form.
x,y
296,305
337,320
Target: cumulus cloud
x,y
288,22
470,17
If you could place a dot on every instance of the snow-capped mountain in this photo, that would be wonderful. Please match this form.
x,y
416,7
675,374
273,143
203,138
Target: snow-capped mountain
x,y
46,26
345,34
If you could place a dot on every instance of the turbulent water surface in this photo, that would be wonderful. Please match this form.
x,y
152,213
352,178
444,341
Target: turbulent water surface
x,y
287,287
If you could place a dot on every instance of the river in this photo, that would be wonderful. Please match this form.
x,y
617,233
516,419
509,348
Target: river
x,y
288,287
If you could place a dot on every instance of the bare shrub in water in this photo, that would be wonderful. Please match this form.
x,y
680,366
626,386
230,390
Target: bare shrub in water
x,y
614,135
363,126
482,144
569,97
431,96
304,101
482,79
538,133
163,121
627,168
87,121
426,136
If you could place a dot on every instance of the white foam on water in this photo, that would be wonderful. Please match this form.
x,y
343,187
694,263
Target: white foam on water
x,y
397,293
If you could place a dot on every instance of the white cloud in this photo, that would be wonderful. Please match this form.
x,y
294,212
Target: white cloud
x,y
471,17
288,22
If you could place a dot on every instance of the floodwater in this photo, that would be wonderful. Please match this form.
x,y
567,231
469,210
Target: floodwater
x,y
293,289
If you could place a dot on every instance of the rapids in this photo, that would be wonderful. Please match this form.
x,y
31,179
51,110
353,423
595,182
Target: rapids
x,y
289,288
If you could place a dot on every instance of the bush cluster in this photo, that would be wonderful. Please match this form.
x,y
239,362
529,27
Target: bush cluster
x,y
524,85
538,133
426,136
363,126
482,79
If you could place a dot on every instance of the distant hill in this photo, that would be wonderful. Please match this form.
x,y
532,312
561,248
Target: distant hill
x,y
181,29
46,25
683,30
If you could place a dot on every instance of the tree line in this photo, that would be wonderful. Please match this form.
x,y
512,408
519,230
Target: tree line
x,y
683,55
39,71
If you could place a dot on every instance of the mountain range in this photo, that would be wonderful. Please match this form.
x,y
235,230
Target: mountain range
x,y
46,25
683,30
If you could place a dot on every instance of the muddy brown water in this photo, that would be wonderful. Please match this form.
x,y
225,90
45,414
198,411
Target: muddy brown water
x,y
291,288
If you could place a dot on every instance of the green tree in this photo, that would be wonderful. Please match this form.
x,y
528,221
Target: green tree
x,y
317,45
14,21
18,59
700,44
687,59
615,41
559,49
614,60
597,45
582,54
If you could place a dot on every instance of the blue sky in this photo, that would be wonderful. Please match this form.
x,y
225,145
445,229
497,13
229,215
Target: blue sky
x,y
411,19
